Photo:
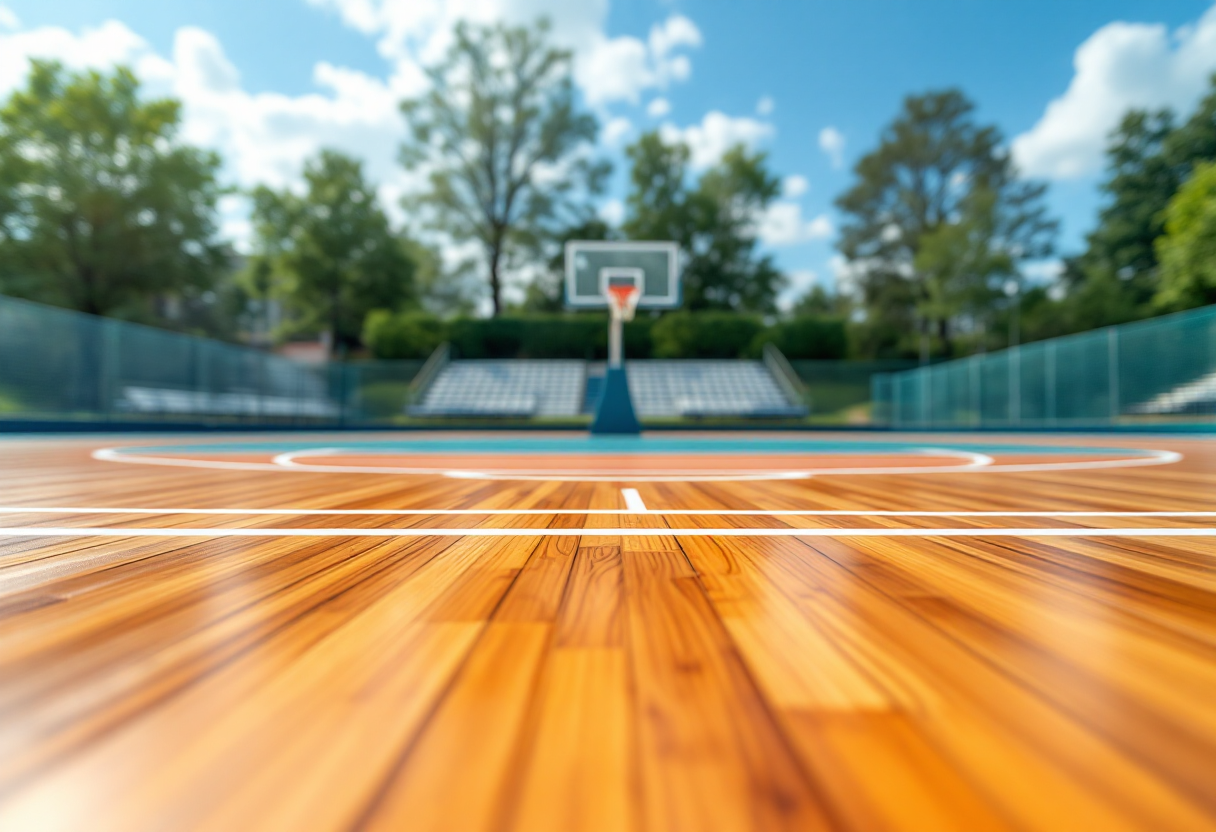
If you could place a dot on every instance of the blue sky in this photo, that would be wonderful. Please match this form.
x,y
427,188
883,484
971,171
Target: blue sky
x,y
810,81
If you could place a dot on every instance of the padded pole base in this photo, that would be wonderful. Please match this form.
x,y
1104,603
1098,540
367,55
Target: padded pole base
x,y
614,414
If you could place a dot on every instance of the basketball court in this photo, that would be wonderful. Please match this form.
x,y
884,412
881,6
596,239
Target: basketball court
x,y
607,630
689,631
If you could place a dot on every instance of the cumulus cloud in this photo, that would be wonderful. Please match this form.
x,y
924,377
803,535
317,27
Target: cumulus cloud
x,y
658,108
8,20
95,48
613,212
831,142
783,225
616,130
1119,67
717,133
264,138
608,69
848,275
800,282
1043,272
765,106
794,185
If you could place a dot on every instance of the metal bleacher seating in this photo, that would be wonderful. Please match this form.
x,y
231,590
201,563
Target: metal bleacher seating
x,y
693,388
505,388
1195,397
660,389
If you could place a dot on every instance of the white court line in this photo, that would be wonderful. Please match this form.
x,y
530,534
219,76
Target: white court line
x,y
977,463
516,512
633,501
288,460
630,532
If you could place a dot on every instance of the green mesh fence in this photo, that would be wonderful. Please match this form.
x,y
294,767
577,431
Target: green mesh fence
x,y
1158,370
60,365
838,392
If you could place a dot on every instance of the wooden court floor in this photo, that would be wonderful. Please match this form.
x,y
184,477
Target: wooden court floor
x,y
920,669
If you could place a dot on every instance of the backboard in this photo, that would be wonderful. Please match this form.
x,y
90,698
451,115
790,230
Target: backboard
x,y
591,265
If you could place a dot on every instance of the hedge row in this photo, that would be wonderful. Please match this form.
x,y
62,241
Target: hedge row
x,y
674,335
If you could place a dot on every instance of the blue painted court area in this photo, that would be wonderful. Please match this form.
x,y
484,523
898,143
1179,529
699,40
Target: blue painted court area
x,y
514,444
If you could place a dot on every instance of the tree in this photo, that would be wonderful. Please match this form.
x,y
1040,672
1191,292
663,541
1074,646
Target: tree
x,y
819,302
505,147
1118,277
964,265
102,209
332,249
713,222
546,292
931,163
1115,278
1187,250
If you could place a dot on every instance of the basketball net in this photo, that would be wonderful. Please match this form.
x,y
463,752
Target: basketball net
x,y
623,300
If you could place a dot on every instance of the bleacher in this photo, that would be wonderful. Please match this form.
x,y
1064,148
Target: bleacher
x,y
661,389
691,388
1195,397
505,388
163,401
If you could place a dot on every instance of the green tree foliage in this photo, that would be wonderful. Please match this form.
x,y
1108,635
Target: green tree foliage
x,y
504,144
1118,276
819,302
941,181
102,209
1115,278
963,264
705,335
805,337
332,249
714,221
546,292
411,334
1187,250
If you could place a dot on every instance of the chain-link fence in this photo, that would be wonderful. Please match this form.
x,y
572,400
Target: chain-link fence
x,y
1157,370
60,365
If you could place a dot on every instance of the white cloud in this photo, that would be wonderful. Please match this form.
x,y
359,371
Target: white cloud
x,y
831,142
783,225
415,32
794,186
263,138
8,20
673,33
658,108
1119,67
1043,271
621,68
765,106
616,130
847,275
109,44
716,134
613,212
800,282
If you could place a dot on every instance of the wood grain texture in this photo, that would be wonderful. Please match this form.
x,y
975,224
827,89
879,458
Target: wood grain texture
x,y
638,681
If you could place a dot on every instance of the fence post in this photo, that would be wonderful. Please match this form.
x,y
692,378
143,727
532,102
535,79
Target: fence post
x,y
1015,384
1051,382
977,401
111,365
922,385
1112,361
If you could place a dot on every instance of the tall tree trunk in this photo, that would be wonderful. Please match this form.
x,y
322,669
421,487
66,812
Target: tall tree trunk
x,y
335,317
495,279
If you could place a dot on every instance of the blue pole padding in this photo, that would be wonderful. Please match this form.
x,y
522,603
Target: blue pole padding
x,y
615,411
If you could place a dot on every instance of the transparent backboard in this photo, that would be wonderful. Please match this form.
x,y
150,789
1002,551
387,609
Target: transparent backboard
x,y
592,264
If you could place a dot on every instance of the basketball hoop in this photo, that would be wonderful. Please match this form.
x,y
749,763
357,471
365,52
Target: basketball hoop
x,y
623,300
